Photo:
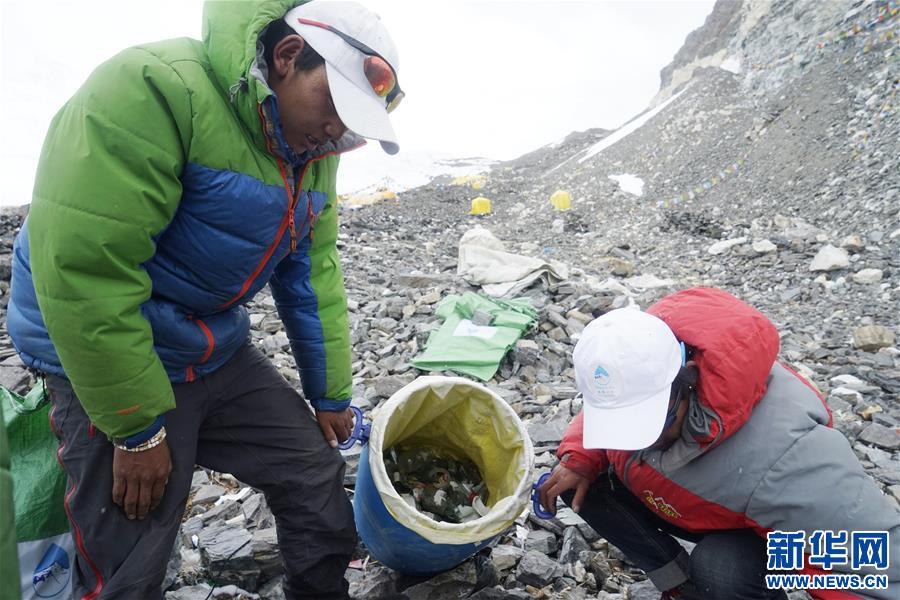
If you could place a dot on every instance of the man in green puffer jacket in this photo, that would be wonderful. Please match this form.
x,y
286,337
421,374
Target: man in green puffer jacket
x,y
182,178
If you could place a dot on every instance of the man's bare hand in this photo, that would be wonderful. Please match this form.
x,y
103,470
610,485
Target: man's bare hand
x,y
140,478
561,480
335,426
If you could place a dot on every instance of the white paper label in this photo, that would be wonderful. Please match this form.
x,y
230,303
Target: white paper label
x,y
467,328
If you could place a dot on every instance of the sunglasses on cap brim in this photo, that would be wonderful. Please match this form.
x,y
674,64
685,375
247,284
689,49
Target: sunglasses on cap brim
x,y
377,70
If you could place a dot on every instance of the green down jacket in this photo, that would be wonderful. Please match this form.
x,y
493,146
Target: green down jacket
x,y
165,199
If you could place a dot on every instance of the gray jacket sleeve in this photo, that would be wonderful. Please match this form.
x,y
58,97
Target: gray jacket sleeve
x,y
818,483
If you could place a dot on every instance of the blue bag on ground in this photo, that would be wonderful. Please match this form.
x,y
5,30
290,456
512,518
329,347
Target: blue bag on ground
x,y
465,419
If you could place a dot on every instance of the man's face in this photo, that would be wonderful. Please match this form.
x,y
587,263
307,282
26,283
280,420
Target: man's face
x,y
308,116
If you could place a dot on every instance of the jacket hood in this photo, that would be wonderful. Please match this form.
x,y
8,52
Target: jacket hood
x,y
231,29
735,347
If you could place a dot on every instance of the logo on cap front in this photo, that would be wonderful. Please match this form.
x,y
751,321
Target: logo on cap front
x,y
604,384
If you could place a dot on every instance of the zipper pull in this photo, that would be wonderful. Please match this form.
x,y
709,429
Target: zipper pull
x,y
310,215
239,86
293,230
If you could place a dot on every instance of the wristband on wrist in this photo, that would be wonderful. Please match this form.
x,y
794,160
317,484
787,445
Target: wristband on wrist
x,y
153,442
141,437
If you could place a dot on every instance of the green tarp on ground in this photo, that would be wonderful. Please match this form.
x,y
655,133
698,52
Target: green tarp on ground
x,y
463,346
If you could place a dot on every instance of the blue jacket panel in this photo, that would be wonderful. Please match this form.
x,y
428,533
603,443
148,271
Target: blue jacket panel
x,y
227,238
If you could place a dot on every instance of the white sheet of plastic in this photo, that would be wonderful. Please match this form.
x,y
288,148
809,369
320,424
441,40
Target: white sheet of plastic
x,y
483,261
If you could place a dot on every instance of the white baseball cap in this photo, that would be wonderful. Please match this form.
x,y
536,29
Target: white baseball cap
x,y
332,29
625,363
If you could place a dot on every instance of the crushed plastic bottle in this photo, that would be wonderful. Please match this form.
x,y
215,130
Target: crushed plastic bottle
x,y
437,484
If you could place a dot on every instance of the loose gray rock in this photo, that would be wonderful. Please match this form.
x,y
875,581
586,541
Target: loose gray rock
x,y
643,590
496,593
506,556
573,545
541,541
537,570
599,566
222,512
192,592
15,379
764,247
208,494
385,387
264,547
724,245
868,276
889,476
227,553
881,436
456,583
256,512
830,258
545,433
873,337
200,477
378,582
569,518
273,590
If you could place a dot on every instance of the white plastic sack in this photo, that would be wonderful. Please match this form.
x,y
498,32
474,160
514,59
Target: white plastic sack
x,y
483,261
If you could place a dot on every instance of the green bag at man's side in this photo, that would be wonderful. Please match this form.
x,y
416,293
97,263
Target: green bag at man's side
x,y
9,562
44,545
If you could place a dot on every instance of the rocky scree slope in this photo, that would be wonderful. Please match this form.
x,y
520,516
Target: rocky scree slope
x,y
770,170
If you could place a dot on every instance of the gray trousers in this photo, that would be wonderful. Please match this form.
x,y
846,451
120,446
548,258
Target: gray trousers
x,y
243,419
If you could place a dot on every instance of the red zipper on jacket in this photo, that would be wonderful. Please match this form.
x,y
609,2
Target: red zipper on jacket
x,y
287,221
293,198
278,235
210,346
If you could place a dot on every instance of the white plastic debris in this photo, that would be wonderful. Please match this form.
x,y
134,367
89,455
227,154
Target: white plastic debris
x,y
479,506
235,497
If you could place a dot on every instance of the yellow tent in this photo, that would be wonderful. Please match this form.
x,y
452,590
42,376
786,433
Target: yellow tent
x,y
480,206
561,200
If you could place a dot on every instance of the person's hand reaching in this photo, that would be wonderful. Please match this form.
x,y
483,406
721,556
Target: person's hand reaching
x,y
335,426
561,480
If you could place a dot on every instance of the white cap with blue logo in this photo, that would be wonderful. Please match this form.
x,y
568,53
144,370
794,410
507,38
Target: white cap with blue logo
x,y
625,363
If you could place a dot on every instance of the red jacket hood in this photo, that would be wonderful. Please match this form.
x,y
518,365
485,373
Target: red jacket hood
x,y
735,347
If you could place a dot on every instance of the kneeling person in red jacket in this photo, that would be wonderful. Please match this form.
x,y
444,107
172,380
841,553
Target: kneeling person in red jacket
x,y
692,428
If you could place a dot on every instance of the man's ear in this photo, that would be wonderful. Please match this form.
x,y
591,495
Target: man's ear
x,y
284,54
